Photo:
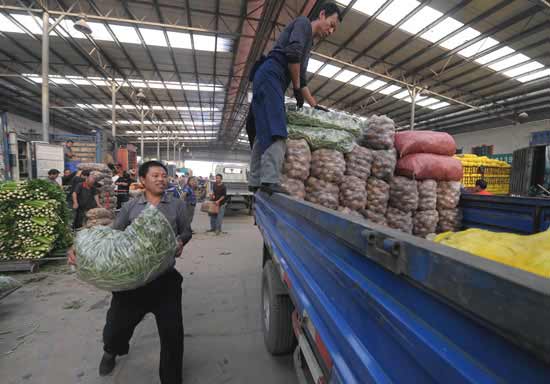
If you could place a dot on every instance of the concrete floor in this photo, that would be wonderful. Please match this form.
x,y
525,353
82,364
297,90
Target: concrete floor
x,y
50,330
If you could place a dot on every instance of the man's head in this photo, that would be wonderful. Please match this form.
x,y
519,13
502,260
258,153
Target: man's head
x,y
329,18
88,177
69,143
481,185
192,182
154,177
53,174
219,178
66,172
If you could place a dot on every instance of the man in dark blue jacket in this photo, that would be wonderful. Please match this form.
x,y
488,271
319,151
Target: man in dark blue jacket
x,y
285,64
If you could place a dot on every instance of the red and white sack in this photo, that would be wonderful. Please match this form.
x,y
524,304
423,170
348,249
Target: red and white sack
x,y
427,195
403,194
423,166
449,220
425,222
297,159
378,133
328,165
353,193
383,164
359,162
437,143
448,194
378,195
294,187
397,219
322,192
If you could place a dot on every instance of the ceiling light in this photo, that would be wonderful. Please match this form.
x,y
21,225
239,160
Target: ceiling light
x,y
82,26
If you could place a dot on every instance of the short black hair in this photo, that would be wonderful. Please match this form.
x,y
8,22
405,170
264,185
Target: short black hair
x,y
144,168
330,9
481,184
220,175
85,173
53,171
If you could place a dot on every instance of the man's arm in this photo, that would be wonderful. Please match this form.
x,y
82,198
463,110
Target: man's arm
x,y
294,69
309,97
122,219
222,198
75,200
184,229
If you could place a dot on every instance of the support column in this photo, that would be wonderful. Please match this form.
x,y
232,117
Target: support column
x,y
158,143
167,148
142,115
45,77
413,94
113,110
175,145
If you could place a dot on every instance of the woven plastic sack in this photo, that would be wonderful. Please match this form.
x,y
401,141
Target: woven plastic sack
x,y
397,219
378,195
425,222
96,222
359,162
347,211
323,138
427,195
100,167
403,194
294,187
449,220
122,260
437,143
374,216
530,253
378,133
353,193
322,192
99,213
297,159
328,165
423,166
448,194
383,164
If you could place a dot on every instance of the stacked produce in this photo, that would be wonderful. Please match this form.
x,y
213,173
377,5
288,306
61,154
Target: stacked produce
x,y
104,183
328,165
98,216
398,219
121,260
294,187
378,195
448,197
495,172
322,192
403,202
297,160
378,133
426,217
34,219
353,193
359,162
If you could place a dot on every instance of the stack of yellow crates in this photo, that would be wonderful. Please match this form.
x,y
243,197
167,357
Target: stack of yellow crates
x,y
495,172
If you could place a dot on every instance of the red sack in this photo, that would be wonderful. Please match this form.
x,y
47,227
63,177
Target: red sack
x,y
423,166
438,143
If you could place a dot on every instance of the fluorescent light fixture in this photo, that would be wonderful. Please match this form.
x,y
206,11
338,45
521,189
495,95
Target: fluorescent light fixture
x,y
329,70
345,76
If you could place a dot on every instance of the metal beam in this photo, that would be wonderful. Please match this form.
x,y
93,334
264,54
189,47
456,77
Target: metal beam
x,y
45,77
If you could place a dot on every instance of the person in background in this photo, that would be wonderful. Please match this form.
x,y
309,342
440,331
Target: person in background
x,y
53,174
162,296
85,197
219,198
68,154
122,189
286,64
190,198
481,188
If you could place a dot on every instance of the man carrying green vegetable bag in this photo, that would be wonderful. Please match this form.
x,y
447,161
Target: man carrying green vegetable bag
x,y
162,296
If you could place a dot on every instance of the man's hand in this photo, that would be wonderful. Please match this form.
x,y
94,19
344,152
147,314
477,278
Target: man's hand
x,y
179,250
217,203
71,256
299,98
320,108
75,206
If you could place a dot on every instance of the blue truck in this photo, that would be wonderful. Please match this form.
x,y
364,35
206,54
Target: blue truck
x,y
360,303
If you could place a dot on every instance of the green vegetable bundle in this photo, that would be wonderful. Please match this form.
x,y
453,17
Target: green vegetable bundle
x,y
323,138
34,219
310,117
122,260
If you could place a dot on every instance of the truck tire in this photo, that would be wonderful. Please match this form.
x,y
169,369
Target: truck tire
x,y
277,310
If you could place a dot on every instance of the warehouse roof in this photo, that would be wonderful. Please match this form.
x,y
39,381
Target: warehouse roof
x,y
469,64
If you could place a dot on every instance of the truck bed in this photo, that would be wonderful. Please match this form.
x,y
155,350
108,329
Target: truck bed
x,y
395,308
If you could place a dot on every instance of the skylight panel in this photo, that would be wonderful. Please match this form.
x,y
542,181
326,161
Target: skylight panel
x,y
409,99
59,81
99,32
402,95
153,37
504,51
506,63
329,70
389,90
373,86
397,10
420,20
534,76
443,104
368,6
205,42
29,22
475,48
441,29
460,38
179,40
345,76
361,80
6,25
125,34
526,68
427,101
314,65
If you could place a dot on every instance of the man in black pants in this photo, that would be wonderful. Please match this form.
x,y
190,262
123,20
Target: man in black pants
x,y
162,296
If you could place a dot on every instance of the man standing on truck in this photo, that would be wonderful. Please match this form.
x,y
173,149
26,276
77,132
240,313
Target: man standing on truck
x,y
286,63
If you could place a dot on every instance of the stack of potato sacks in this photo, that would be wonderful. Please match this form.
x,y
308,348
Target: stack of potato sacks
x,y
104,184
427,157
98,216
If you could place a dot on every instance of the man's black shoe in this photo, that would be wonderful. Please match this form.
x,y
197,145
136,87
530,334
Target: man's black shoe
x,y
273,188
252,189
107,364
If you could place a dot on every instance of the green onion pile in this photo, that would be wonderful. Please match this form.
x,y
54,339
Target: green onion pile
x,y
34,219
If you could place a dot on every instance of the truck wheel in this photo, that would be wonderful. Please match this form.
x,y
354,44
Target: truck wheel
x,y
277,310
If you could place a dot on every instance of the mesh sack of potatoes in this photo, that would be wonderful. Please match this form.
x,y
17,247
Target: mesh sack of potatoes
x,y
378,195
398,219
353,193
359,162
374,216
378,133
449,220
347,211
448,194
328,165
425,222
383,164
322,192
427,195
297,159
294,187
403,194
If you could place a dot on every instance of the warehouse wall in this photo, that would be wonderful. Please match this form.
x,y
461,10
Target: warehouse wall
x,y
505,139
30,129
